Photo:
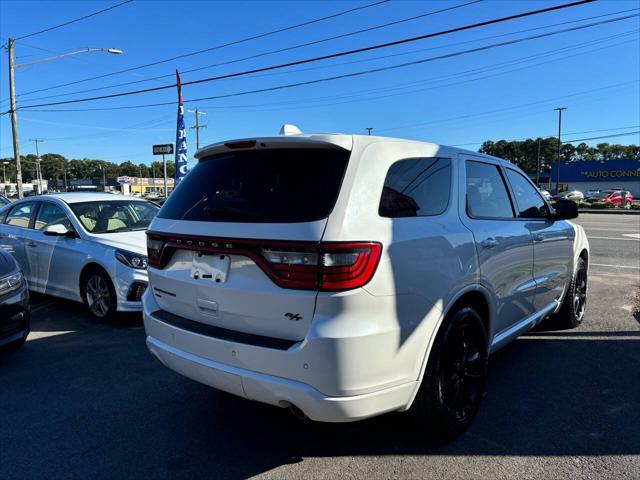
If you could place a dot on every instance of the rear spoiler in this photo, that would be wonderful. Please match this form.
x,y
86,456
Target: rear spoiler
x,y
341,142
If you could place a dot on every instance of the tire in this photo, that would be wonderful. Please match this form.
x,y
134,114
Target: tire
x,y
455,379
99,295
574,305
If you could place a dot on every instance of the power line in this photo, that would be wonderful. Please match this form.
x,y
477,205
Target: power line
x,y
514,107
74,20
219,46
603,136
251,57
324,79
341,54
363,92
362,95
551,135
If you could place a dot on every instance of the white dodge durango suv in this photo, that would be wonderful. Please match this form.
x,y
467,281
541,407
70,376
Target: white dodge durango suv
x,y
347,276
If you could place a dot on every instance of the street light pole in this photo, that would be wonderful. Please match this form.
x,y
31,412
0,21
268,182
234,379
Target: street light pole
x,y
12,98
559,110
14,118
368,129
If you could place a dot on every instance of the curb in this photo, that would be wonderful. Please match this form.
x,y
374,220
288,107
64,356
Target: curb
x,y
616,211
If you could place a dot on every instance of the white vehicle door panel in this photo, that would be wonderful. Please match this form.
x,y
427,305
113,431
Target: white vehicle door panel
x,y
15,234
504,245
57,261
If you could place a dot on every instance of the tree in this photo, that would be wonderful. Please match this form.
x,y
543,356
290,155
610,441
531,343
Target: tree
x,y
157,170
525,153
129,169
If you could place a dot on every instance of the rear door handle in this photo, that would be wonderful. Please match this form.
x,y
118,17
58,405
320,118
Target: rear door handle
x,y
31,244
488,243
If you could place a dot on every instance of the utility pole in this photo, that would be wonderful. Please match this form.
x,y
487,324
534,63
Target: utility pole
x,y
14,118
368,129
104,178
197,127
559,110
4,175
164,167
538,169
38,170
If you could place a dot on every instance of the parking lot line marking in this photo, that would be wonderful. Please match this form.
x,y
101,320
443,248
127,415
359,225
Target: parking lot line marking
x,y
607,224
600,337
632,228
613,238
615,266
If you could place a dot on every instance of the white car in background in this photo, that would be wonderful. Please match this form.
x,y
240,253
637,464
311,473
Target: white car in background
x,y
575,195
348,276
546,195
88,247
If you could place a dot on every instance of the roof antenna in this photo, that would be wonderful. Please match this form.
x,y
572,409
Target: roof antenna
x,y
288,129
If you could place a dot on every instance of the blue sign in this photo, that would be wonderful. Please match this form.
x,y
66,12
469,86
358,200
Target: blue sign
x,y
181,138
623,170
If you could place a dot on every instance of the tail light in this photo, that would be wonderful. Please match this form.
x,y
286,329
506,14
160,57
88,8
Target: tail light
x,y
329,266
154,251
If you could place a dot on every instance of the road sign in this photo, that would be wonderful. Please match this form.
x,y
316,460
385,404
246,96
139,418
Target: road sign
x,y
166,149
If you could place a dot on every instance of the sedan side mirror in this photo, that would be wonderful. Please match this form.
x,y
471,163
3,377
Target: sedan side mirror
x,y
565,210
58,230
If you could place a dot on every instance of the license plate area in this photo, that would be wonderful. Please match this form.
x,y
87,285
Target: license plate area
x,y
212,267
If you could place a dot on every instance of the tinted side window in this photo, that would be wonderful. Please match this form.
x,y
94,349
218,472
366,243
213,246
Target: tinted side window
x,y
20,215
51,214
416,187
486,192
530,203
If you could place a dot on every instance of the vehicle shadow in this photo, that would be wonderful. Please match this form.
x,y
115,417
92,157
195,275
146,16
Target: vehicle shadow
x,y
119,411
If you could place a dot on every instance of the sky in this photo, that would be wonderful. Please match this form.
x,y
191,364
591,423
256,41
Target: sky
x,y
502,92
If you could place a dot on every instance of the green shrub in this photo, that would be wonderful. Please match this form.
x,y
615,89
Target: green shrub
x,y
635,206
601,205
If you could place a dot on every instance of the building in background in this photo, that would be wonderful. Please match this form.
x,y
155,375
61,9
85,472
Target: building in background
x,y
595,175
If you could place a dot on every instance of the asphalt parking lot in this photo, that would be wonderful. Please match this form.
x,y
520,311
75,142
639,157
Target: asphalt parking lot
x,y
86,400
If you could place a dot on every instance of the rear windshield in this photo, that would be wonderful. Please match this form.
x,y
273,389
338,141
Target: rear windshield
x,y
261,186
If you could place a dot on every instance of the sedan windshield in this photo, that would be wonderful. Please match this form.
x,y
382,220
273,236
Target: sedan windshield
x,y
114,216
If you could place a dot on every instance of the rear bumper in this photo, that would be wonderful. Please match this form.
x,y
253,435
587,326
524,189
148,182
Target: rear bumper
x,y
349,367
279,391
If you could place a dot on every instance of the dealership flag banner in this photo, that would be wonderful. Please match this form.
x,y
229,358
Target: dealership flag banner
x,y
181,137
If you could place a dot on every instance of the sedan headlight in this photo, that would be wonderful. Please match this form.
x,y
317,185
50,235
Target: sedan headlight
x,y
133,260
11,282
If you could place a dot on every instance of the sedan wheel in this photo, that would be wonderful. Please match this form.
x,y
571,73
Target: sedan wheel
x,y
98,295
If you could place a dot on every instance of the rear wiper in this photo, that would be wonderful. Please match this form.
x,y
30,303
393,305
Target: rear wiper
x,y
203,198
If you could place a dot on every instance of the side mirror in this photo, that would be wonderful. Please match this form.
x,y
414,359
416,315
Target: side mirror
x,y
565,210
58,230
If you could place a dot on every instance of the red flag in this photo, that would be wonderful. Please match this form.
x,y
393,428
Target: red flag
x,y
179,88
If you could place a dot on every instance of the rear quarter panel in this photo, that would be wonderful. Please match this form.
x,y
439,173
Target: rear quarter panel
x,y
425,263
